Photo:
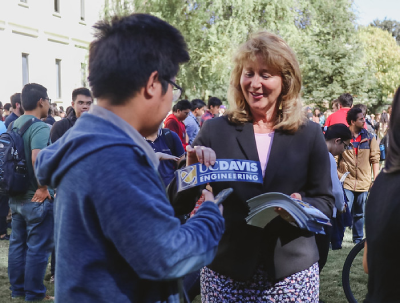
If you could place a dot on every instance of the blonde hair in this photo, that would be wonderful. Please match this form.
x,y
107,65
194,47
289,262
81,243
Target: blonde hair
x,y
280,57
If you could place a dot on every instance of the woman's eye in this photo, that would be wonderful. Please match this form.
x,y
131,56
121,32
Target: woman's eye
x,y
266,76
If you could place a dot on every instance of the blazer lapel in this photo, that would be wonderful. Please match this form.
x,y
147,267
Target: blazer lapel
x,y
247,141
280,145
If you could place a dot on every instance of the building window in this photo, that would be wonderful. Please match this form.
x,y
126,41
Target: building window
x,y
83,75
58,79
82,10
25,69
57,6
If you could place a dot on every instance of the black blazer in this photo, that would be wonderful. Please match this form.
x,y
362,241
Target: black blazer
x,y
298,163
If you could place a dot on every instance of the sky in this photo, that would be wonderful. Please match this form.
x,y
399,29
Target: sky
x,y
369,10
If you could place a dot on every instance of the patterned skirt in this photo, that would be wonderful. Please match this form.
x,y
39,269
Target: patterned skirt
x,y
301,287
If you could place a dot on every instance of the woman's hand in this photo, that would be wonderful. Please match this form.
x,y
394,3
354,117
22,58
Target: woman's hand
x,y
283,213
202,154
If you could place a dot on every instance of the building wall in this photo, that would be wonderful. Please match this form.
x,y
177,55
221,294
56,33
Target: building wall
x,y
35,29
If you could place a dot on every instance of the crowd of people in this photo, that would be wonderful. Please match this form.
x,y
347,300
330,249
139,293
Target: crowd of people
x,y
102,197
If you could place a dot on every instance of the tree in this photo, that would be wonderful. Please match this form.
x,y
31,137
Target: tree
x,y
392,26
330,52
382,59
213,29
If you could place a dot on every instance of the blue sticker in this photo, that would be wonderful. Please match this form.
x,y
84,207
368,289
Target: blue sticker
x,y
223,170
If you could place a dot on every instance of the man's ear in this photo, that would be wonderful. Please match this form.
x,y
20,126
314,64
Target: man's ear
x,y
337,140
152,86
72,103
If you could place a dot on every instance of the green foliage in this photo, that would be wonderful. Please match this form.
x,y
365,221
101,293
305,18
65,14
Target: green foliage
x,y
392,26
330,52
334,57
382,59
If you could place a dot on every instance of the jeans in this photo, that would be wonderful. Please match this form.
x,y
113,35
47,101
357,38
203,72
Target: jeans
x,y
357,206
31,243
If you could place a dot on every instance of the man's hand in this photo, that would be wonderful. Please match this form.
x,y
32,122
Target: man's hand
x,y
163,156
41,194
202,154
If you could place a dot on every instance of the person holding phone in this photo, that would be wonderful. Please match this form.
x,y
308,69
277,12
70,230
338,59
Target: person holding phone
x,y
266,123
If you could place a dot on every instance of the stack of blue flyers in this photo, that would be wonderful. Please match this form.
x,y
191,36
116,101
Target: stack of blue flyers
x,y
306,216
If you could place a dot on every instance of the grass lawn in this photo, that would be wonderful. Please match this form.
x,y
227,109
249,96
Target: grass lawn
x,y
331,290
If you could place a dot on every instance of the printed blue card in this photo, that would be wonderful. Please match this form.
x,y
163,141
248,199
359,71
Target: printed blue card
x,y
222,171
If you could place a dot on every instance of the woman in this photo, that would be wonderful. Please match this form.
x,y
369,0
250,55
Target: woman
x,y
266,124
382,223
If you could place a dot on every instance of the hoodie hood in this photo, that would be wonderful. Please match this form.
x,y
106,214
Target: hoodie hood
x,y
90,134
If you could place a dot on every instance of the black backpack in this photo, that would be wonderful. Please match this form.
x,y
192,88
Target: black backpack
x,y
14,178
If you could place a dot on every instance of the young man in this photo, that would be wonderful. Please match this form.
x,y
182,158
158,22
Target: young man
x,y
192,121
31,238
116,234
339,116
17,109
174,121
169,150
358,160
81,101
213,109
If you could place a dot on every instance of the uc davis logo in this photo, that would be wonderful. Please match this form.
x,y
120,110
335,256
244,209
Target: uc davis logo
x,y
189,175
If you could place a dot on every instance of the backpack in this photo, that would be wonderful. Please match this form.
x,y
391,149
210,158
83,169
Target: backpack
x,y
14,178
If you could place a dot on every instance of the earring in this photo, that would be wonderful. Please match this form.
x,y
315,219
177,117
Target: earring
x,y
280,106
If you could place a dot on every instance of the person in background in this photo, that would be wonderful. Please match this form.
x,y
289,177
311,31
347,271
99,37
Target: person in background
x,y
174,121
31,240
382,225
357,160
309,113
339,116
222,110
327,114
337,138
169,150
316,115
192,123
213,105
81,101
7,110
17,109
49,119
61,113
266,123
4,208
335,105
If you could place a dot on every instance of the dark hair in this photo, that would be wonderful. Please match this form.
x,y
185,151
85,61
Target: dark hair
x,y
81,91
182,105
346,100
7,106
338,130
127,50
68,110
392,164
31,94
214,101
16,98
1,104
352,114
363,108
197,103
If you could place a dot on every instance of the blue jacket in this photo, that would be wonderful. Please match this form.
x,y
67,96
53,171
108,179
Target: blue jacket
x,y
116,236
